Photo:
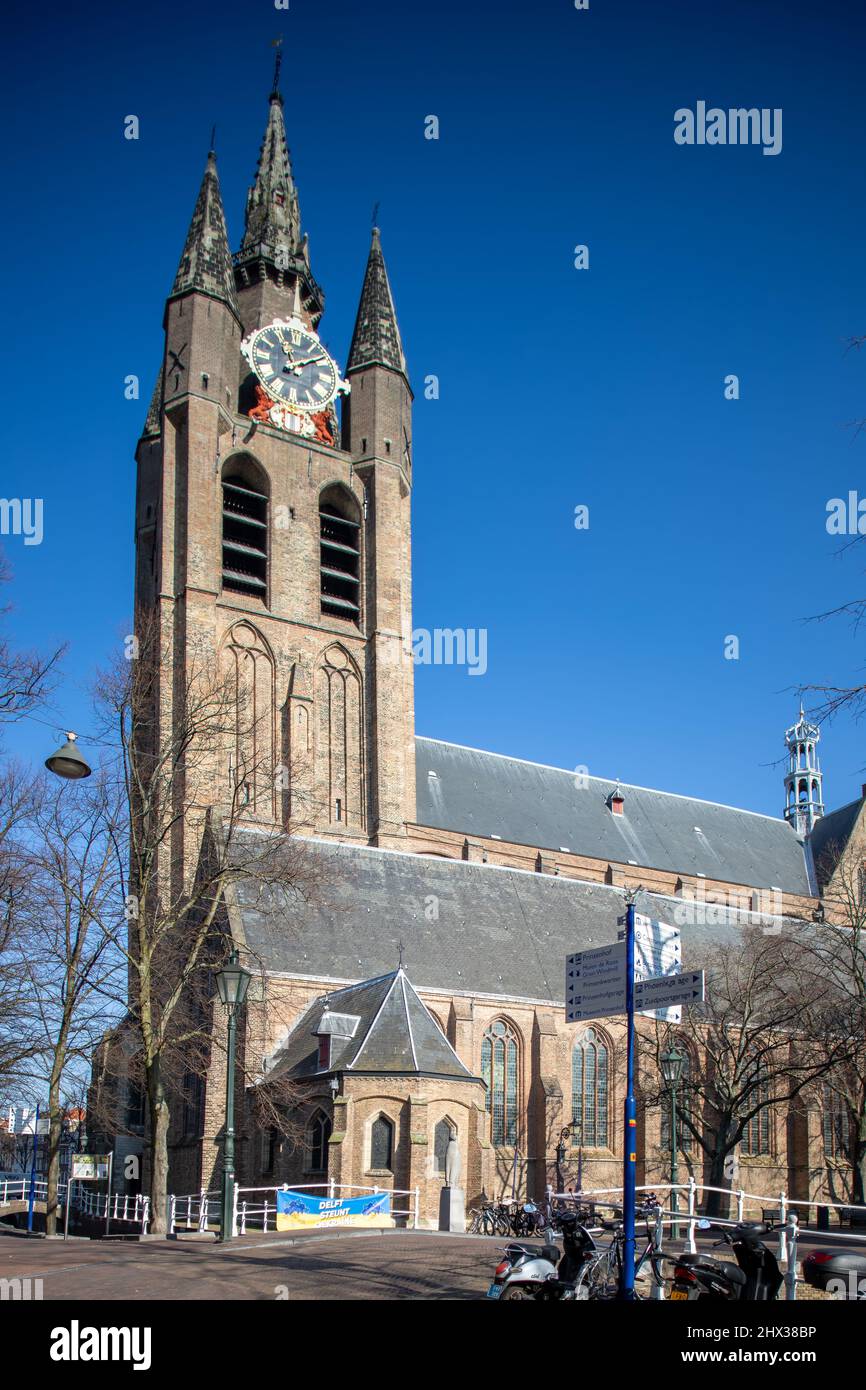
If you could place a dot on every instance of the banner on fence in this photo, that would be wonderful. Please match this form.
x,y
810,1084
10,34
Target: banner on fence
x,y
305,1209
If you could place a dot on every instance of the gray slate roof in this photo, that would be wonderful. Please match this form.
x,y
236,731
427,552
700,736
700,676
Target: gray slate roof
x,y
485,794
830,836
391,1031
473,928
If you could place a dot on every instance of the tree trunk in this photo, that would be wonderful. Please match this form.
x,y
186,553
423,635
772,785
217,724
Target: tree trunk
x,y
158,1121
858,1163
53,1174
718,1203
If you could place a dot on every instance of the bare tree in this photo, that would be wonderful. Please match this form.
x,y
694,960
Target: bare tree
x,y
19,1035
70,958
762,1037
187,846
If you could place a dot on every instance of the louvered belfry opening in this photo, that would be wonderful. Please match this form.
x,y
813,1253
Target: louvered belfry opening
x,y
245,535
340,555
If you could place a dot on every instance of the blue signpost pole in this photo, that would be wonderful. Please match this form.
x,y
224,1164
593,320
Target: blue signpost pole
x,y
32,1199
629,1160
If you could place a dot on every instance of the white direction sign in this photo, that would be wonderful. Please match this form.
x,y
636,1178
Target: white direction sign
x,y
687,988
595,983
657,951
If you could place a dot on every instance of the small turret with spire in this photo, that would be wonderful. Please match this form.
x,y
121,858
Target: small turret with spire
x,y
804,794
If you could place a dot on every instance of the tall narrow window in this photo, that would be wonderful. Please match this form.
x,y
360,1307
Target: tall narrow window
x,y
317,1142
837,1126
756,1136
589,1090
340,554
381,1143
499,1070
245,530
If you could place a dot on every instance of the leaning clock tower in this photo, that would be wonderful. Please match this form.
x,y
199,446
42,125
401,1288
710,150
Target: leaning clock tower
x,y
273,520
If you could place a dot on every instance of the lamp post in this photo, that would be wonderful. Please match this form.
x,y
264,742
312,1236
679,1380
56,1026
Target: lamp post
x,y
67,762
672,1064
232,983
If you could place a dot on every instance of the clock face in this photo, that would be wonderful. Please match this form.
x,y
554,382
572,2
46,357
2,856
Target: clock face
x,y
292,365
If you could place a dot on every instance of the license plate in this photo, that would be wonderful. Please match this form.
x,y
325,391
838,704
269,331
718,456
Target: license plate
x,y
678,1293
495,1291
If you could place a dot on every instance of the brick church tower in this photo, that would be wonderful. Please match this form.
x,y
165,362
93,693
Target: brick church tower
x,y
273,537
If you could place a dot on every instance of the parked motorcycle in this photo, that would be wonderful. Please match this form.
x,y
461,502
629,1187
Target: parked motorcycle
x,y
755,1277
540,1272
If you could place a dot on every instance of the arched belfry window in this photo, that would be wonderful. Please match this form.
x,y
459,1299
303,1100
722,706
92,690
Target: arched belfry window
x,y
590,1066
499,1069
340,554
245,528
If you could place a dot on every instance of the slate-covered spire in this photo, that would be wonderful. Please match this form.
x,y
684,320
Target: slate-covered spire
x,y
272,226
376,340
206,263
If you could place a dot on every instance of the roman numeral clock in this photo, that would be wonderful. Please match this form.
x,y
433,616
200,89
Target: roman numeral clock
x,y
298,380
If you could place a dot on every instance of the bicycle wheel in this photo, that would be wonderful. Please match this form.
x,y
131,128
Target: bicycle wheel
x,y
599,1276
503,1223
473,1222
488,1222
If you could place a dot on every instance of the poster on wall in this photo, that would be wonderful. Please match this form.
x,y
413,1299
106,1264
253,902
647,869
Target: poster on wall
x,y
304,1209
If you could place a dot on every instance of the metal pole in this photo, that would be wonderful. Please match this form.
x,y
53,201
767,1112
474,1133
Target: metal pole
x,y
68,1205
229,1156
675,1228
629,1136
108,1191
32,1198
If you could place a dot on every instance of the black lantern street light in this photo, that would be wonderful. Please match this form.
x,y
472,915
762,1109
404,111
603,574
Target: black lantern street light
x,y
67,761
232,983
672,1064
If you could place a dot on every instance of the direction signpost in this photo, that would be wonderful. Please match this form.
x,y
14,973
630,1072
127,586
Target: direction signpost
x,y
643,973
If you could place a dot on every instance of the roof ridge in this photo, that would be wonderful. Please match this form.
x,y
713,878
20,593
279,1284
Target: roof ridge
x,y
628,786
375,1018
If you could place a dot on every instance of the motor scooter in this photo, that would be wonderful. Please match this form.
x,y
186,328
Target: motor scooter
x,y
755,1278
540,1272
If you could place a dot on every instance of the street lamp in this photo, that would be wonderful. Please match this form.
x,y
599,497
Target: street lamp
x,y
67,761
672,1064
232,984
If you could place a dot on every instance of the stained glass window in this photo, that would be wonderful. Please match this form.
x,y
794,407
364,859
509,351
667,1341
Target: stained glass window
x,y
499,1070
381,1143
589,1090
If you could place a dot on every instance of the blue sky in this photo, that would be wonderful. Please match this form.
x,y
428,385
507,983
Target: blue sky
x,y
558,387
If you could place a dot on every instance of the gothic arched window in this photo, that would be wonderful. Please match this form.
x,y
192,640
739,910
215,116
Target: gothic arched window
x,y
837,1126
590,1067
245,528
499,1069
381,1143
340,554
318,1134
756,1136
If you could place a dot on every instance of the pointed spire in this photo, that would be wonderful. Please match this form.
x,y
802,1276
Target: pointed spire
x,y
152,424
376,339
272,227
206,263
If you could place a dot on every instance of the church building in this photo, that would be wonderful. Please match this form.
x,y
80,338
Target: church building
x,y
420,992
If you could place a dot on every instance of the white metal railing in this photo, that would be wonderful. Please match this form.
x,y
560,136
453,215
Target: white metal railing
x,y
258,1213
18,1190
197,1211
134,1210
113,1206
